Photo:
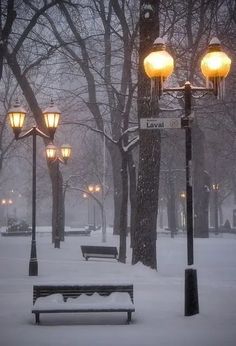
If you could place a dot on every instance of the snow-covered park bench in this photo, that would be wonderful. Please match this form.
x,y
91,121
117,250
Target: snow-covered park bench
x,y
83,298
99,251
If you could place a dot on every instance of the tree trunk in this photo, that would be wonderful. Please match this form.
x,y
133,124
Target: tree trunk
x,y
171,205
116,167
144,249
123,209
132,196
58,210
201,186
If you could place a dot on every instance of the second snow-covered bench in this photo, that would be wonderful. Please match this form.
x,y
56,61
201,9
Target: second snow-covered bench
x,y
99,251
82,298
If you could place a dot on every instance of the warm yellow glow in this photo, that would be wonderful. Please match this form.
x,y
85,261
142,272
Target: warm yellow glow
x,y
97,188
182,195
159,64
51,117
51,151
215,64
51,120
94,188
66,150
16,116
5,201
91,188
215,186
16,119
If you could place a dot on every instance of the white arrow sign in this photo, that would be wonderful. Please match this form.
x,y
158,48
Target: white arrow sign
x,y
160,123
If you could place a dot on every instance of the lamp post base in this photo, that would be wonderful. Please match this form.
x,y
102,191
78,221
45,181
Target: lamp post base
x,y
33,263
33,267
191,292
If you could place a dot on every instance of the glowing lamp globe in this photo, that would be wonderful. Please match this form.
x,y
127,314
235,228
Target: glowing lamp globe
x,y
91,188
16,115
66,151
215,66
159,63
51,152
215,63
51,117
97,188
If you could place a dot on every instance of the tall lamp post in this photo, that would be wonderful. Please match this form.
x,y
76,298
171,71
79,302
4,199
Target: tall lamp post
x,y
16,116
215,188
94,189
55,157
6,202
215,66
85,196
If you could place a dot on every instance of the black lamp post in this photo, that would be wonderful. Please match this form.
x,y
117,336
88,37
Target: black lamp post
x,y
17,116
94,189
56,158
6,202
215,66
215,188
85,196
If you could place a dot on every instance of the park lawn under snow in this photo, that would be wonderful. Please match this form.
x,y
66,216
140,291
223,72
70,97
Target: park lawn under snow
x,y
159,296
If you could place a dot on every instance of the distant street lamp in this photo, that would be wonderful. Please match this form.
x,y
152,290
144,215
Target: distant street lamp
x,y
6,202
85,196
94,189
16,116
55,157
215,66
215,188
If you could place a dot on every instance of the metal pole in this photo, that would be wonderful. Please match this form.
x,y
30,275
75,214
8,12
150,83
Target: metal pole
x,y
88,209
103,188
191,289
57,233
33,264
94,216
216,210
7,215
188,156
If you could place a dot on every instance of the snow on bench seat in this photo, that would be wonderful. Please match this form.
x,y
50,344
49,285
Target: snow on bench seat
x,y
83,298
116,300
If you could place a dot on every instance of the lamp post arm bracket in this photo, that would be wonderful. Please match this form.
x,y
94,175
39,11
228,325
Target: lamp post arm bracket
x,y
27,133
56,159
202,95
41,133
32,131
193,88
173,89
60,160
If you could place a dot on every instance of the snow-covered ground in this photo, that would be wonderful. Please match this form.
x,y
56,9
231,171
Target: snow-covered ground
x,y
159,296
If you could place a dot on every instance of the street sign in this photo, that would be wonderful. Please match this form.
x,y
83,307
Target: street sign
x,y
160,123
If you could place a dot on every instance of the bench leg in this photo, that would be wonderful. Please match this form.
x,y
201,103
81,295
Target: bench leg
x,y
129,314
37,321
